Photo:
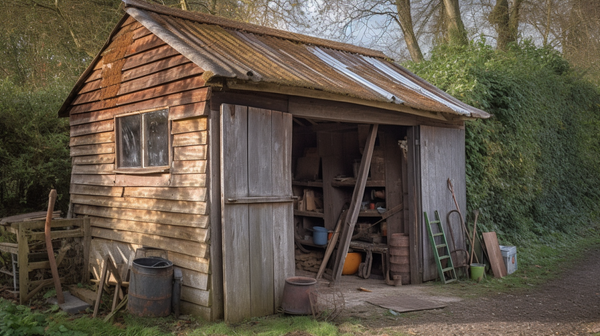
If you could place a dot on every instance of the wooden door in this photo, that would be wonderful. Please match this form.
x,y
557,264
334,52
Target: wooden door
x,y
257,215
442,156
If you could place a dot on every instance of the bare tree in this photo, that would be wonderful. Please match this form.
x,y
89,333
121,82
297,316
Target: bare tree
x,y
455,28
505,18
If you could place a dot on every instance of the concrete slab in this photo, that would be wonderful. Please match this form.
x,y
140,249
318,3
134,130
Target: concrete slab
x,y
72,304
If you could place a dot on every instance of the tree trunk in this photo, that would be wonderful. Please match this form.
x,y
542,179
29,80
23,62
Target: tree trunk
x,y
406,24
505,18
456,29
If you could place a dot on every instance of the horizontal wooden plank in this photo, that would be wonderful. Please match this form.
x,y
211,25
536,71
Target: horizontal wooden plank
x,y
142,44
93,159
188,180
188,308
92,84
96,127
187,207
93,169
165,243
201,265
188,111
145,216
99,180
140,32
192,278
61,234
140,101
94,76
169,193
189,125
150,180
106,148
163,230
149,56
81,189
190,153
163,77
91,139
188,167
190,139
153,67
197,296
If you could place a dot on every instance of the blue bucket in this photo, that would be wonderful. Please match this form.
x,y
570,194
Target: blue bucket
x,y
319,235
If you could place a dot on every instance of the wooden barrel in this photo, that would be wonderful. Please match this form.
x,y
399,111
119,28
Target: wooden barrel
x,y
399,247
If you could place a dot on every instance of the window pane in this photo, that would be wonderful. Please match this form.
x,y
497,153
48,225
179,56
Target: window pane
x,y
129,141
156,132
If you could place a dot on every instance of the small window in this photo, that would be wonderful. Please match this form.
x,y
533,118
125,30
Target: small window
x,y
143,140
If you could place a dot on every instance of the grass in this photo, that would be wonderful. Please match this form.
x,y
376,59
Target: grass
x,y
538,262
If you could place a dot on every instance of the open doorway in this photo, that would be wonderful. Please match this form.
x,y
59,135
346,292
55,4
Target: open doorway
x,y
325,160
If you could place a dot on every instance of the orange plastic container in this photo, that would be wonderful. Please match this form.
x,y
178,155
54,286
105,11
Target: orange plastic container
x,y
352,262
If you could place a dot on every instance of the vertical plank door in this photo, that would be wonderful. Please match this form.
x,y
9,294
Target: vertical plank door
x,y
257,216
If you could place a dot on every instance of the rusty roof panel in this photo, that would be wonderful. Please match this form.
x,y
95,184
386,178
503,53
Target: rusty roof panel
x,y
229,49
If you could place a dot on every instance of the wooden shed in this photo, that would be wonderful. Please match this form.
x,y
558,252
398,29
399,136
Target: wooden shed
x,y
224,143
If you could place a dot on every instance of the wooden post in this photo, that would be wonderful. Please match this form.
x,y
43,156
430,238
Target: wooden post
x,y
87,245
23,265
354,209
51,200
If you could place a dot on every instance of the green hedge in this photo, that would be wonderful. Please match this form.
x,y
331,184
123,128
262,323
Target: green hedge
x,y
34,148
533,169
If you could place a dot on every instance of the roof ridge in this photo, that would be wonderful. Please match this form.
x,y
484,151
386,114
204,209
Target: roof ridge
x,y
252,28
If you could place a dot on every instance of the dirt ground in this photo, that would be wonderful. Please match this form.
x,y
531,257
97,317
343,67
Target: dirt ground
x,y
567,305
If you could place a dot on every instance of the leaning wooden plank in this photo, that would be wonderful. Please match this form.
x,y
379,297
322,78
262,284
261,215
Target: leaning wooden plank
x,y
94,169
149,56
91,139
81,189
143,102
96,127
188,180
165,243
188,167
194,295
493,250
196,310
160,217
198,208
190,153
188,111
100,180
164,230
181,194
190,139
201,265
93,159
23,257
189,125
150,180
153,67
355,203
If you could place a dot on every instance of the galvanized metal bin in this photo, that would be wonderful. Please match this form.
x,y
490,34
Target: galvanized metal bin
x,y
150,288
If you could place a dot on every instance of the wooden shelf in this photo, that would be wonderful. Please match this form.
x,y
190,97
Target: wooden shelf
x,y
315,184
352,183
310,243
369,213
308,213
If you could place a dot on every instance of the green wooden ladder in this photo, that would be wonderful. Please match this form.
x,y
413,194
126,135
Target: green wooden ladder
x,y
447,274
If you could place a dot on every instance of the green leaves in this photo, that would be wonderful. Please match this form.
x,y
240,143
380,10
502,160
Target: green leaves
x,y
534,167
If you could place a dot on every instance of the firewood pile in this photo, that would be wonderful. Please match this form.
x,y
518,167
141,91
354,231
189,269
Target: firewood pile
x,y
309,261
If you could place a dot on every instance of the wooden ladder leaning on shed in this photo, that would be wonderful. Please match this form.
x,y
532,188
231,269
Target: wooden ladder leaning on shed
x,y
449,271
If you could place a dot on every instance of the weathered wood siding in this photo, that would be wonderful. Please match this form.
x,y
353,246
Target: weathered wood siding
x,y
442,157
168,211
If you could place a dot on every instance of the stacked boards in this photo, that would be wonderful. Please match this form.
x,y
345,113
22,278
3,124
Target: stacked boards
x,y
166,209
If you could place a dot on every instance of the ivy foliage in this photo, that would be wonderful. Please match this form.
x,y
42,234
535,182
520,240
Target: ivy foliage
x,y
34,151
533,169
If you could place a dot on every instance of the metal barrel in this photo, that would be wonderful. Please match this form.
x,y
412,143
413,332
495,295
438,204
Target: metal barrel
x,y
150,287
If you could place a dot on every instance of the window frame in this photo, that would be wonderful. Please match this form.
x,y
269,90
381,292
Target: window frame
x,y
118,148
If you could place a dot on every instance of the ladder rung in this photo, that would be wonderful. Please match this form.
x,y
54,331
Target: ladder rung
x,y
440,246
434,222
451,280
438,234
447,269
444,257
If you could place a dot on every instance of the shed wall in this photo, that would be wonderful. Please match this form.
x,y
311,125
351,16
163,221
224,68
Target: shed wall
x,y
167,210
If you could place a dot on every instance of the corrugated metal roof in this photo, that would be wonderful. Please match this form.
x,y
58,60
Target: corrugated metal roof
x,y
245,52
